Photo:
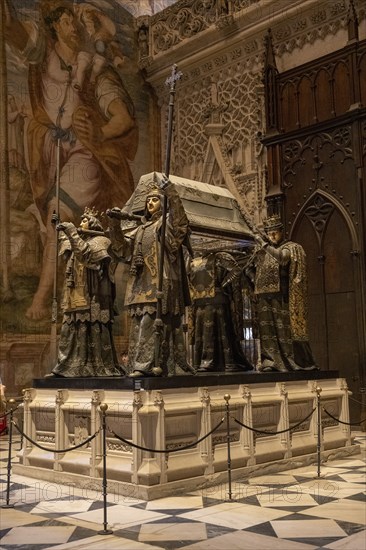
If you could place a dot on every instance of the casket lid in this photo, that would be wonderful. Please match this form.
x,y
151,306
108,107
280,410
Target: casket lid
x,y
211,210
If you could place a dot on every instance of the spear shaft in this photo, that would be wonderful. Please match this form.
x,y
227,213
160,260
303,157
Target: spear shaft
x,y
4,166
53,343
171,81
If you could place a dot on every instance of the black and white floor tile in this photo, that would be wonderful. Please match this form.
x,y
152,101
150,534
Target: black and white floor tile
x,y
293,510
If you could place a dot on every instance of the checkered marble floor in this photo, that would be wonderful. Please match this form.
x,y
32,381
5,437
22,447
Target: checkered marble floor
x,y
293,510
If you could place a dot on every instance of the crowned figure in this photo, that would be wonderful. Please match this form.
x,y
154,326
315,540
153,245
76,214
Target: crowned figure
x,y
278,273
86,346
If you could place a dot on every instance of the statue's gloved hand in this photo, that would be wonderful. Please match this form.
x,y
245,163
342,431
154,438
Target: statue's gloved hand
x,y
114,216
260,241
114,212
55,220
66,227
164,182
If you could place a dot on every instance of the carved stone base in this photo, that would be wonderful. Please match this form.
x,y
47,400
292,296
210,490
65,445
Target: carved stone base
x,y
171,418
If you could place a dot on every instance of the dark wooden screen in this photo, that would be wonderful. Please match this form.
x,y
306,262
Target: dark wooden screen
x,y
316,143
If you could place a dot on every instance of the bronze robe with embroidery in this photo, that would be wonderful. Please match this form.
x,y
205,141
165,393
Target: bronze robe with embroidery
x,y
142,285
86,346
281,308
217,314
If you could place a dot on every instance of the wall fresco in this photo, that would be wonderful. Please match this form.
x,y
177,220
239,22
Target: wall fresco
x,y
77,136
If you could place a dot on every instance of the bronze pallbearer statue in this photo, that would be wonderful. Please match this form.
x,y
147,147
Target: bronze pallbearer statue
x,y
141,248
278,272
86,346
217,313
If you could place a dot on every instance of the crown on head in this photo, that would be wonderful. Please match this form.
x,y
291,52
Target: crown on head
x,y
154,191
273,222
92,212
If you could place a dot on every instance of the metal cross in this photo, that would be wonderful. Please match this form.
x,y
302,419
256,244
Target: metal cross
x,y
171,80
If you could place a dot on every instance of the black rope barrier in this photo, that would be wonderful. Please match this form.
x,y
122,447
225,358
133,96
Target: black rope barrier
x,y
341,421
168,450
275,433
103,431
55,450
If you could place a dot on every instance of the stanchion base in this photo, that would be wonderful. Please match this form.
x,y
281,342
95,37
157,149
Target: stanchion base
x,y
7,505
105,532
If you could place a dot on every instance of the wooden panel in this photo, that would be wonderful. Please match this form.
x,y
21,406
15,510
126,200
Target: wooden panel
x,y
362,73
334,76
339,276
306,236
342,88
340,299
288,107
323,95
306,103
322,161
323,200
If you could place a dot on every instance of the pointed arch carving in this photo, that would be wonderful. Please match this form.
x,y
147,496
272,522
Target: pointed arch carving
x,y
339,139
316,180
319,208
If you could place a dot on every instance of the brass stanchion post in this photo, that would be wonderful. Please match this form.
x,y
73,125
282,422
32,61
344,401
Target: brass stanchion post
x,y
227,399
8,505
319,424
103,407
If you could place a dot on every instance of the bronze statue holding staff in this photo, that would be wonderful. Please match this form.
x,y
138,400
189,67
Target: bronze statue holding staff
x,y
157,288
86,347
277,270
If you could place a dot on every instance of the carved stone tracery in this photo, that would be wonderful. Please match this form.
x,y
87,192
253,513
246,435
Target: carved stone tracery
x,y
236,71
239,113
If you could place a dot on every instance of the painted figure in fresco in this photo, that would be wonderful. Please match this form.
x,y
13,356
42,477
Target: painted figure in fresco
x,y
79,102
278,271
217,313
101,33
16,120
140,247
86,345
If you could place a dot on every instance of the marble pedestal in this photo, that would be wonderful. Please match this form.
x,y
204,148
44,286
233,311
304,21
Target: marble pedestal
x,y
170,413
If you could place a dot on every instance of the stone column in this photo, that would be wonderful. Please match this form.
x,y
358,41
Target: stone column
x,y
60,430
344,410
149,471
95,424
136,436
284,422
28,426
247,436
161,458
205,446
